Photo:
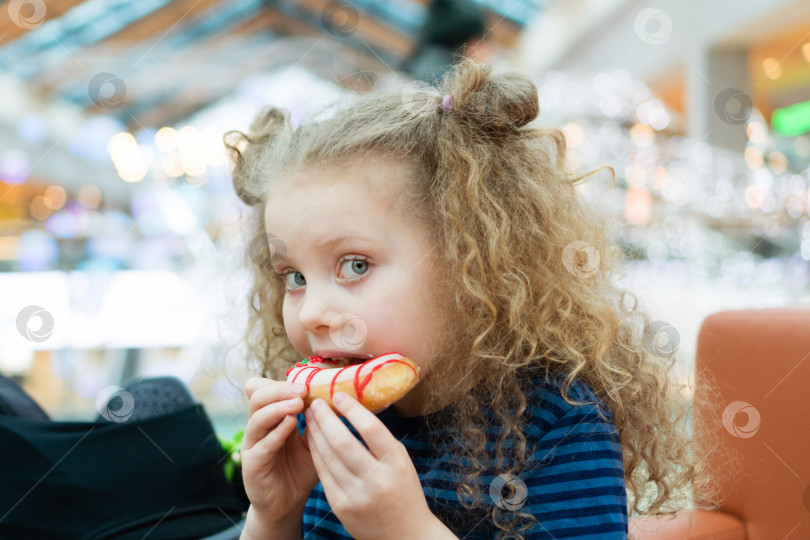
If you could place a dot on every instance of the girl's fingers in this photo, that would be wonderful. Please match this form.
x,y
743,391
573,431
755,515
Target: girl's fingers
x,y
357,458
328,482
336,439
381,443
331,459
274,440
254,383
267,418
265,394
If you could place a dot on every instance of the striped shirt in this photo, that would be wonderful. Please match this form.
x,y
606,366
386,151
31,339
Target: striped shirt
x,y
573,483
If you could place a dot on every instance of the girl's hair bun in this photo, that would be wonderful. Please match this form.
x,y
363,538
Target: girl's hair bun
x,y
493,102
265,127
267,124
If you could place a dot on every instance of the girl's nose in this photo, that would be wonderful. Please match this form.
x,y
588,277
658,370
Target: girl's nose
x,y
315,314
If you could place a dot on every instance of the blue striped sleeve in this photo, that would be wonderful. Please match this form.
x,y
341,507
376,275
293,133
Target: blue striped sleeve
x,y
575,478
573,483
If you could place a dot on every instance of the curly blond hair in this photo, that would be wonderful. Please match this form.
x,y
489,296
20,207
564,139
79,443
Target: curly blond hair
x,y
511,228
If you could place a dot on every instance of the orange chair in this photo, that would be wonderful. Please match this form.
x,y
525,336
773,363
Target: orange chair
x,y
760,359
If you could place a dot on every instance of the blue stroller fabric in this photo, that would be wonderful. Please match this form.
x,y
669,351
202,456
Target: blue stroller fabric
x,y
157,475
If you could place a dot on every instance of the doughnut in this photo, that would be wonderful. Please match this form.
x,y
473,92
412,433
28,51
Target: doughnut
x,y
376,383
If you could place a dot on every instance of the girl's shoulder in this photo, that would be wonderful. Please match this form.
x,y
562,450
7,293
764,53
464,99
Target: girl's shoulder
x,y
548,408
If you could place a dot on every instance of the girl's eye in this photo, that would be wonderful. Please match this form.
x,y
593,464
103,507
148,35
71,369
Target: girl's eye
x,y
294,280
297,279
356,266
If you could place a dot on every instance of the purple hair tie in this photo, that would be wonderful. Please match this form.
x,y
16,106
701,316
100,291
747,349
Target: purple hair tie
x,y
447,103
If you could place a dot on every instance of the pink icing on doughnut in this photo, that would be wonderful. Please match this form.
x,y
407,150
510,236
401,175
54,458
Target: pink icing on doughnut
x,y
359,384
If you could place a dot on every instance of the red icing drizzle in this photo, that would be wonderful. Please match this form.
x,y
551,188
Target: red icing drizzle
x,y
359,384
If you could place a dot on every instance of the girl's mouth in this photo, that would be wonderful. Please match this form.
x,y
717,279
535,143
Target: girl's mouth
x,y
346,361
350,360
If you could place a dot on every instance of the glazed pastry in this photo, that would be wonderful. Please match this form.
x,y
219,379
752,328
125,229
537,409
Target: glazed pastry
x,y
376,383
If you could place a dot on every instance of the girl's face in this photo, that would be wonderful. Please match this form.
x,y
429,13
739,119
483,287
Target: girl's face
x,y
358,270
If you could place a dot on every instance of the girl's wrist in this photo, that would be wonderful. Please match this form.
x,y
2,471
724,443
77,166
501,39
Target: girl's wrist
x,y
257,528
435,529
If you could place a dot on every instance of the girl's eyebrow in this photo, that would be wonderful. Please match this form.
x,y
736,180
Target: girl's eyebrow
x,y
327,245
330,244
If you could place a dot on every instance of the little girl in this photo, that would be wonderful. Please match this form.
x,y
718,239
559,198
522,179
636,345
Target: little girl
x,y
442,227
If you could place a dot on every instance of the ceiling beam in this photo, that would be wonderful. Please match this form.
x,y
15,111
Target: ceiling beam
x,y
369,31
161,21
11,30
354,76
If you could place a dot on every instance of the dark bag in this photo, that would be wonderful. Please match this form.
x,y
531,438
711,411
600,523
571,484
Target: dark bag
x,y
160,477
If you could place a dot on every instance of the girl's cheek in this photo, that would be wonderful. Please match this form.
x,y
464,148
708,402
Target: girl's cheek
x,y
287,315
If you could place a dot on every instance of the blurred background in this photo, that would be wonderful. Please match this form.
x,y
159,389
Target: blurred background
x,y
121,238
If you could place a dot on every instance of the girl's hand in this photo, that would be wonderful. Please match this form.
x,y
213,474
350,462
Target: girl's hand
x,y
376,493
276,464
